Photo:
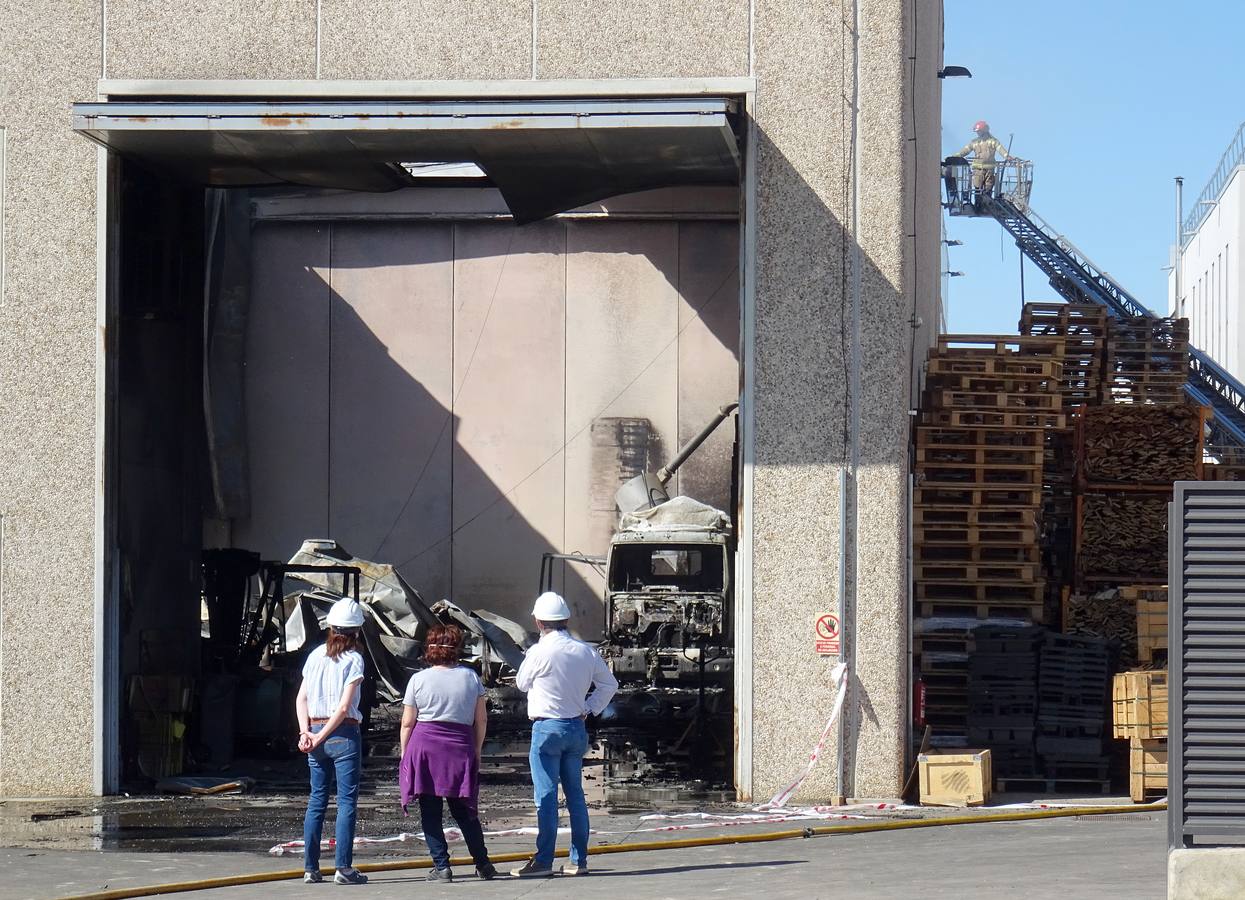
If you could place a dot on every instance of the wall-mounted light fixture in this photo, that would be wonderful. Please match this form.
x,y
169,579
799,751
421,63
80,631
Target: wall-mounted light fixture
x,y
954,72
954,274
952,242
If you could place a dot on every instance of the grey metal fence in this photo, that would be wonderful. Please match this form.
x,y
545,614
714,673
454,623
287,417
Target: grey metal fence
x,y
1206,678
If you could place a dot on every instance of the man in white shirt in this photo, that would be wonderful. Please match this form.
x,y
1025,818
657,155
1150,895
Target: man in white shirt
x,y
565,681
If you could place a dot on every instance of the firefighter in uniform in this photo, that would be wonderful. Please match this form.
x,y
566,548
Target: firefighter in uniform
x,y
983,149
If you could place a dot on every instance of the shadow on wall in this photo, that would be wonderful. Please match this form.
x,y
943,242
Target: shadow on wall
x,y
803,421
451,398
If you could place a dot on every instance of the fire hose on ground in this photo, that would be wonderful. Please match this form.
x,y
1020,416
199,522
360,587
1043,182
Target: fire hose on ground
x,y
678,844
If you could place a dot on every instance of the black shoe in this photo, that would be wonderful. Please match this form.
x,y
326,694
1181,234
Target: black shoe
x,y
441,875
487,872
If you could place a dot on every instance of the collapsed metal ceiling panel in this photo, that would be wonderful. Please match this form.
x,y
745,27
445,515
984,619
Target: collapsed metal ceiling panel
x,y
544,156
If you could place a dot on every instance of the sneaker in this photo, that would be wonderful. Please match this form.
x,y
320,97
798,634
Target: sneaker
x,y
532,869
487,872
312,876
349,875
443,876
572,869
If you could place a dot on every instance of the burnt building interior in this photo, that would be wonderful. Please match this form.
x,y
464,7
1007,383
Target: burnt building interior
x,y
418,398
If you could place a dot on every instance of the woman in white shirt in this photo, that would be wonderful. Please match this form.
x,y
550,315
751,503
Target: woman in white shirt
x,y
444,719
330,735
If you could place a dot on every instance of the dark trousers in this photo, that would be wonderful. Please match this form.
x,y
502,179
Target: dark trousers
x,y
431,815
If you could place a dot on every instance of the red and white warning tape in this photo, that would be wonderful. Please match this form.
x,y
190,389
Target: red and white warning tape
x,y
838,676
680,823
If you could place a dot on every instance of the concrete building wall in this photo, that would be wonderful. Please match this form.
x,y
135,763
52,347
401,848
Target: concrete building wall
x,y
47,401
845,127
1212,283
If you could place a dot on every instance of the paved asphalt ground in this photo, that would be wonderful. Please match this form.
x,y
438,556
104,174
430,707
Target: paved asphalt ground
x,y
1120,856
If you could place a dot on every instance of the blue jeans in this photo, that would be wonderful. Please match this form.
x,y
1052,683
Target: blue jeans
x,y
340,756
557,755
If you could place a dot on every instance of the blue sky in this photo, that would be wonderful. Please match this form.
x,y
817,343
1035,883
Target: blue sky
x,y
1111,100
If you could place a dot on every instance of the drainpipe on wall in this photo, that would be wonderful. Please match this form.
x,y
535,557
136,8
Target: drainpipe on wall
x,y
849,485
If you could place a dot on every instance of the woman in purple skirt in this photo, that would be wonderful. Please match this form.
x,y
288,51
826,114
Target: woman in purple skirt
x,y
443,726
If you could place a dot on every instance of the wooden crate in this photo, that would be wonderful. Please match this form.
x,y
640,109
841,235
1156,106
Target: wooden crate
x,y
1147,769
1139,705
1151,620
960,778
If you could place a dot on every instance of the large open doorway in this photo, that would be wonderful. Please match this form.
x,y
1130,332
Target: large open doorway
x,y
412,375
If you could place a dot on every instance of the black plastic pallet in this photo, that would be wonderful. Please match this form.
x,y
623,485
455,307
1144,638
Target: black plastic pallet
x,y
1040,784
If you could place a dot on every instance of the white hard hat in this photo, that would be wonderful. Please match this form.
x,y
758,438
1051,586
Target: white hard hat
x,y
346,613
550,607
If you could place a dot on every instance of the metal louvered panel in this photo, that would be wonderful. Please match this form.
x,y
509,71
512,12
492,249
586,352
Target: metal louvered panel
x,y
1206,746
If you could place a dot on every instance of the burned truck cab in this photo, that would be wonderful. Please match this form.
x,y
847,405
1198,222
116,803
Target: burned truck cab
x,y
667,597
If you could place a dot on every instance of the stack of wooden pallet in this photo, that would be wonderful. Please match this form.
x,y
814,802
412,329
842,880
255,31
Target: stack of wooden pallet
x,y
1083,328
1127,458
980,448
1139,714
1146,361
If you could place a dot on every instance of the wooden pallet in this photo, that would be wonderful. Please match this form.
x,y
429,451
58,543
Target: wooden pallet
x,y
970,516
1041,318
978,495
996,476
947,609
994,400
1149,397
974,535
986,455
1004,384
939,642
967,345
987,554
975,572
1007,366
1005,593
978,438
980,418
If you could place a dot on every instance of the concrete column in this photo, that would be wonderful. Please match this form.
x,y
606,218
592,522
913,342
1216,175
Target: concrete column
x,y
47,402
815,225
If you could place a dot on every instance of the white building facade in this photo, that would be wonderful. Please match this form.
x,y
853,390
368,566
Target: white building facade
x,y
1212,280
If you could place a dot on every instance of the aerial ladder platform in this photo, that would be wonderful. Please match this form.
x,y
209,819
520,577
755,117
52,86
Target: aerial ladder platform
x,y
1005,198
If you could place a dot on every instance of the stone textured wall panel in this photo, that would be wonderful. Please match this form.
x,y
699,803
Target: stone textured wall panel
x,y
426,39
47,402
659,39
221,39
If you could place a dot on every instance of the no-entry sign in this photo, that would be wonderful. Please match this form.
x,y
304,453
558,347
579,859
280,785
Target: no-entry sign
x,y
826,636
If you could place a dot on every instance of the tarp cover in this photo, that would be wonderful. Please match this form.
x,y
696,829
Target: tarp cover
x,y
677,514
